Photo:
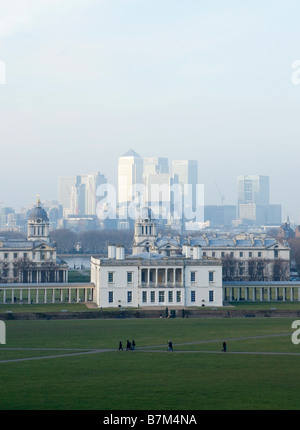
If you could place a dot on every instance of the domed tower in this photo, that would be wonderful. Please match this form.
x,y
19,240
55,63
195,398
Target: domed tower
x,y
38,224
145,232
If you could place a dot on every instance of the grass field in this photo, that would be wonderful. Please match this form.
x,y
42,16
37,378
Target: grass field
x,y
75,365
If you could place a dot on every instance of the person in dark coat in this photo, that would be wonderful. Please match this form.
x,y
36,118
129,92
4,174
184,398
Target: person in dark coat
x,y
170,347
128,346
133,344
224,347
120,346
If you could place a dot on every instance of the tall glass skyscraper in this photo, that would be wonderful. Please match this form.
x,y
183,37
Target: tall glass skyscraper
x,y
253,189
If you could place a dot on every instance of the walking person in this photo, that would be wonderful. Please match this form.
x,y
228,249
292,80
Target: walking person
x,y
170,347
224,347
133,344
120,346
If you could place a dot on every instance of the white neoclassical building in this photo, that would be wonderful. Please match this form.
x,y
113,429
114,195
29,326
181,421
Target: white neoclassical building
x,y
148,278
32,260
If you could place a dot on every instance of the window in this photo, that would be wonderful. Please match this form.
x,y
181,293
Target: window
x,y
193,276
241,254
25,255
211,276
152,297
213,254
110,277
193,296
129,296
5,255
211,296
110,297
222,254
204,254
170,296
129,276
161,296
178,296
144,297
276,253
232,254
250,254
15,255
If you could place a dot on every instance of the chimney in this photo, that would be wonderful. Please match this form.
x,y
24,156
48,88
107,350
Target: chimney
x,y
111,251
197,252
120,252
186,250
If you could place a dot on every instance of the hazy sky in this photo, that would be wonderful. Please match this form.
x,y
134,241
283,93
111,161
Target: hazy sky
x,y
208,80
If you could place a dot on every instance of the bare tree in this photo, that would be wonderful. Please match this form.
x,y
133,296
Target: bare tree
x,y
49,268
23,266
280,270
3,271
295,253
257,269
230,268
65,240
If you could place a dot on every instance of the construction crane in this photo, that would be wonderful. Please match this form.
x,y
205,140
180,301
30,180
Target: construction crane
x,y
222,195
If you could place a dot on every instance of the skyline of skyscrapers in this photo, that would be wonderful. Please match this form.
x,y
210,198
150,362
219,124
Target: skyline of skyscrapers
x,y
77,193
155,177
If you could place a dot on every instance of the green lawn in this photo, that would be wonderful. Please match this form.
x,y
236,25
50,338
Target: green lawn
x,y
200,377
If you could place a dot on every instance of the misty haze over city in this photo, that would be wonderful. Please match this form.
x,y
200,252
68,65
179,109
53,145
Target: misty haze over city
x,y
88,80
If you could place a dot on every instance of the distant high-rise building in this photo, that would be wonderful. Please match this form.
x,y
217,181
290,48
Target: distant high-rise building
x,y
65,194
254,201
92,181
78,200
253,189
185,173
158,194
155,165
77,193
130,174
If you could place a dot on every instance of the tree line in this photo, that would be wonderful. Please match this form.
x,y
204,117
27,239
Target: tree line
x,y
90,241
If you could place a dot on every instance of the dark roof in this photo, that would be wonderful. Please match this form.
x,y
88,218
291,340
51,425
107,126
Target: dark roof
x,y
38,213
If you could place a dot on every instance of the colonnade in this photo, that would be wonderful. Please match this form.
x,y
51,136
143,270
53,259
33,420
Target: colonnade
x,y
46,293
265,291
162,277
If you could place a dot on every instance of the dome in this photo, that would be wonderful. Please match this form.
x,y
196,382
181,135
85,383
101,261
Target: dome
x,y
38,213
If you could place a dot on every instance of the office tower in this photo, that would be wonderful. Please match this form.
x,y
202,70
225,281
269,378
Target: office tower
x,y
65,184
130,175
78,193
158,194
154,165
92,181
253,189
77,206
185,172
